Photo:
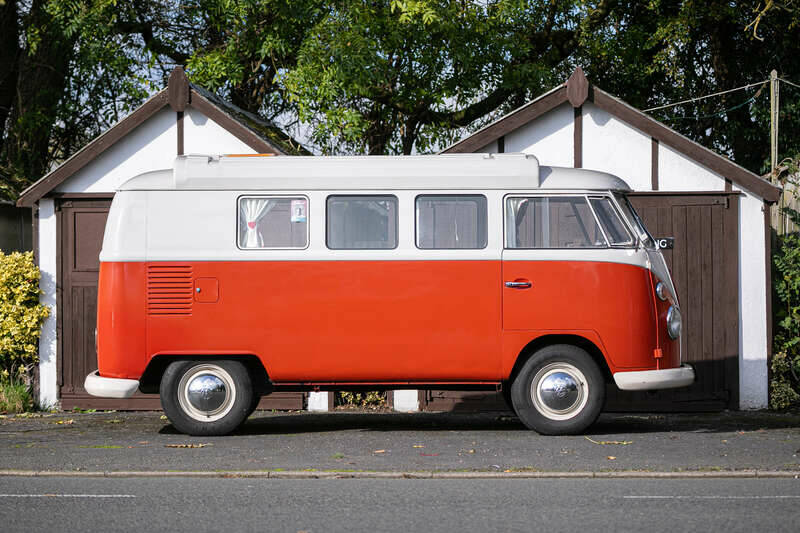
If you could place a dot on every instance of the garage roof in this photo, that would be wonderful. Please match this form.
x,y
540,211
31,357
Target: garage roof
x,y
578,90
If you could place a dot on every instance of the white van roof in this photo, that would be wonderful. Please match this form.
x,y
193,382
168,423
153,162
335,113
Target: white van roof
x,y
449,171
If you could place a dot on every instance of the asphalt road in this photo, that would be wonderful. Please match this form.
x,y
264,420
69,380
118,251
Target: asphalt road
x,y
196,505
392,442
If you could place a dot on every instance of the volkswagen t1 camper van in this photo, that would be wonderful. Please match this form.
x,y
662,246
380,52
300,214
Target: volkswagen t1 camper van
x,y
228,278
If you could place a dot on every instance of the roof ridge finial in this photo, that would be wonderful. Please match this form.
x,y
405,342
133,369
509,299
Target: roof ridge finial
x,y
577,88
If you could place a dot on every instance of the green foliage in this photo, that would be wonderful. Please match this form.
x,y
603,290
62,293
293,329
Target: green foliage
x,y
783,387
369,400
15,396
21,314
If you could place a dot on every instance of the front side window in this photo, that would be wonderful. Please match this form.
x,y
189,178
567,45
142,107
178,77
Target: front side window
x,y
551,222
362,222
268,222
636,221
609,219
451,221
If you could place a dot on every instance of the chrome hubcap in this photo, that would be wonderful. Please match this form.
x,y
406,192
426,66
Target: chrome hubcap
x,y
206,392
559,391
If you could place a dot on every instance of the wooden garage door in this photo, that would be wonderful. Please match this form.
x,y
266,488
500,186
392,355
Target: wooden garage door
x,y
704,263
81,223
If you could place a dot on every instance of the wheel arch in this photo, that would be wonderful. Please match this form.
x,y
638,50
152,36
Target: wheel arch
x,y
570,339
151,378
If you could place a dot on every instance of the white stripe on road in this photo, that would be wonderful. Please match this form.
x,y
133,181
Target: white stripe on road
x,y
67,496
779,497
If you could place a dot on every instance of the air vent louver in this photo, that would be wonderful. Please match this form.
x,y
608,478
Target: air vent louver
x,y
169,290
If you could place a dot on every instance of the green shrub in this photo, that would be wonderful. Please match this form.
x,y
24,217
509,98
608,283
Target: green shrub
x,y
784,385
21,315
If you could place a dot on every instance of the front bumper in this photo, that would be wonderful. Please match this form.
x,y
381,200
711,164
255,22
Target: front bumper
x,y
96,385
669,378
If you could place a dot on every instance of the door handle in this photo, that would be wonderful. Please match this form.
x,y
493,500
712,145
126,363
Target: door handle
x,y
518,284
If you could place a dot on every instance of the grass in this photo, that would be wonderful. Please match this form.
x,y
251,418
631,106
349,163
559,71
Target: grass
x,y
15,397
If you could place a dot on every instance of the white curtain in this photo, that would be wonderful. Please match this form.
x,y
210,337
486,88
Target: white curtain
x,y
512,208
253,210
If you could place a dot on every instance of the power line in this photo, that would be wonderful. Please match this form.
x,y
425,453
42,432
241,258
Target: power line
x,y
789,82
717,114
710,96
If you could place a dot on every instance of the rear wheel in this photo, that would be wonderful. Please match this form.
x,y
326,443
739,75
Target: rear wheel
x,y
559,391
206,397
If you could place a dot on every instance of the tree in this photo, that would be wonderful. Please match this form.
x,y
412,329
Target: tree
x,y
655,53
394,77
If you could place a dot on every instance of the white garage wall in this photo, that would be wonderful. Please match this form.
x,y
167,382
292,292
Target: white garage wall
x,y
613,146
678,173
47,254
753,377
549,138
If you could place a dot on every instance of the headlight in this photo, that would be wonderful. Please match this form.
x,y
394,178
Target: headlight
x,y
661,291
674,322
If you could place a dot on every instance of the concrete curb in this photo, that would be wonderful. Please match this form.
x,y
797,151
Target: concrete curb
x,y
311,474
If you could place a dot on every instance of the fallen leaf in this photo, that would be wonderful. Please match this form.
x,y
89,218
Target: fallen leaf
x,y
66,422
471,451
163,417
114,421
610,457
379,451
418,446
144,442
610,442
186,445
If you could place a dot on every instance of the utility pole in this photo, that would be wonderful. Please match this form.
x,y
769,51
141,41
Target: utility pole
x,y
773,123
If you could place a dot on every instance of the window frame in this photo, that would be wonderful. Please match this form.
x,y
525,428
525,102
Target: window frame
x,y
276,196
473,195
344,195
585,197
631,243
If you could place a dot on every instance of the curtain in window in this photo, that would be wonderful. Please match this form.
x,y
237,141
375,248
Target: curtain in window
x,y
513,206
253,210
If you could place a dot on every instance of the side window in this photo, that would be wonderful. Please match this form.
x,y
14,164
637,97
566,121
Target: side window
x,y
451,221
551,222
609,218
266,222
362,222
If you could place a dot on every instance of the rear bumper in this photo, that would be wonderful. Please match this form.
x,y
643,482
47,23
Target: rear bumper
x,y
96,385
669,378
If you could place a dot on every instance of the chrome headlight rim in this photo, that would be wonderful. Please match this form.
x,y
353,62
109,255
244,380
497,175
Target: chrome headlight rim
x,y
661,291
674,322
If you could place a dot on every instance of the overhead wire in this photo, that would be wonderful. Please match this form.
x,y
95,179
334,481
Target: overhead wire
x,y
690,100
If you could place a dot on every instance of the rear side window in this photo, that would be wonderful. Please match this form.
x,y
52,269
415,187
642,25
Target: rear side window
x,y
451,221
269,222
362,222
609,219
551,222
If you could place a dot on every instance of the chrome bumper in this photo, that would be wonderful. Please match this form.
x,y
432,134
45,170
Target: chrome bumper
x,y
96,385
669,378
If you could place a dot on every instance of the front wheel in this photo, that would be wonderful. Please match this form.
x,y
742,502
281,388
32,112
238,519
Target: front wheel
x,y
559,391
206,397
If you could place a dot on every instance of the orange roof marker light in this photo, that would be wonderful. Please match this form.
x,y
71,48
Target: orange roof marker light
x,y
248,155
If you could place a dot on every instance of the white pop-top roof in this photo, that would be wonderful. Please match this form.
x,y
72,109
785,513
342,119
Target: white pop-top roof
x,y
451,171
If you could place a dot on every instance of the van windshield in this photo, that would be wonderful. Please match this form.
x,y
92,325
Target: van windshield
x,y
635,221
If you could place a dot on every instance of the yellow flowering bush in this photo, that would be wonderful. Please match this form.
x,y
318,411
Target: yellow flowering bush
x,y
21,314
